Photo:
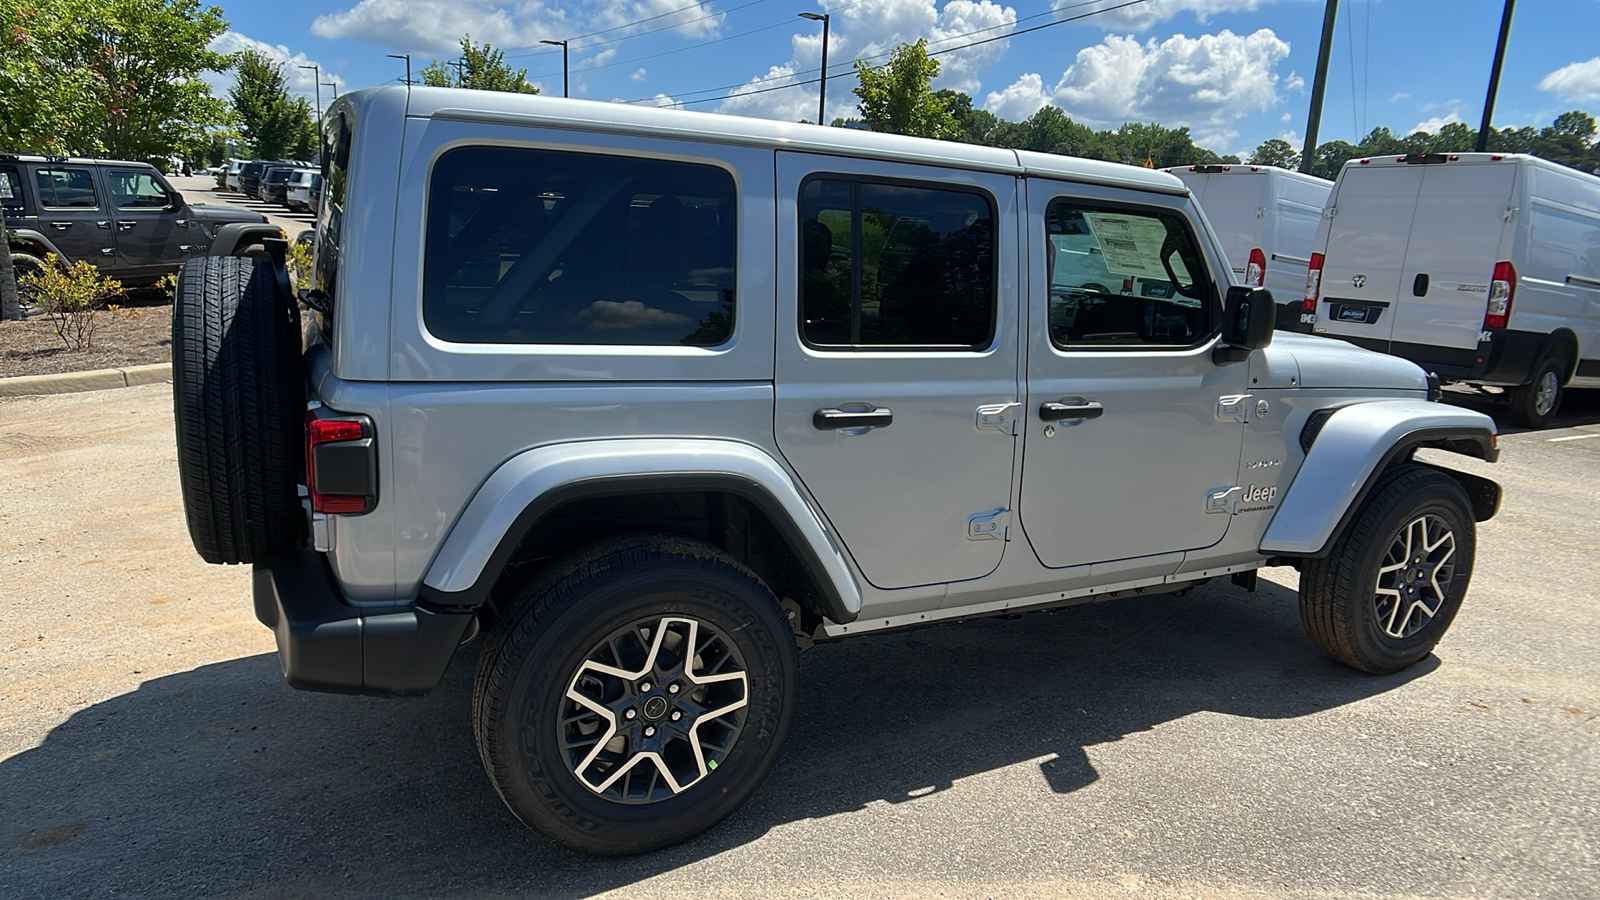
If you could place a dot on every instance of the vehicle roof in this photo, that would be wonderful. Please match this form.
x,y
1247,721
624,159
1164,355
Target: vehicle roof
x,y
1245,169
1467,159
560,112
70,160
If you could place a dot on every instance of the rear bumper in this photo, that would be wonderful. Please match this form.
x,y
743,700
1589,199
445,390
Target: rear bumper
x,y
1508,358
324,644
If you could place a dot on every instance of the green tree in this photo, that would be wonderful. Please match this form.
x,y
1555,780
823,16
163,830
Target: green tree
x,y
1569,140
481,67
1275,152
274,125
1381,142
975,124
896,97
1331,157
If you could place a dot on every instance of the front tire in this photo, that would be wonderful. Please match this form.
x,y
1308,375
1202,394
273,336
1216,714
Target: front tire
x,y
1534,405
1394,580
635,694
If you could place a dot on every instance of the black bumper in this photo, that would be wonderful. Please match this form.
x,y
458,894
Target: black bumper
x,y
325,644
1508,358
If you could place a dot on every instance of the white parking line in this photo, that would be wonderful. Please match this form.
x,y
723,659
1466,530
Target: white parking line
x,y
1573,437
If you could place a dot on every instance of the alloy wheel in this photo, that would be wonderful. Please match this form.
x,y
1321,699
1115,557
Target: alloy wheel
x,y
1415,576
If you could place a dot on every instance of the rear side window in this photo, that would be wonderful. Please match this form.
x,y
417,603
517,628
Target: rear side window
x,y
895,266
1124,277
552,247
65,188
10,189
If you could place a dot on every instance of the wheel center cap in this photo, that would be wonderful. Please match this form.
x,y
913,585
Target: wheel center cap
x,y
655,708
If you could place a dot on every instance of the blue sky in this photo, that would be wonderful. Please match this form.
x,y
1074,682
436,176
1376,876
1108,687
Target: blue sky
x,y
1235,71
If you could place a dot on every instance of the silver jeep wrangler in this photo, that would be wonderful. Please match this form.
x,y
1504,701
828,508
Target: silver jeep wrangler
x,y
655,399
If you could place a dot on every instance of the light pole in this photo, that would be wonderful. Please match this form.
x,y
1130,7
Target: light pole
x,y
316,72
1319,83
334,85
822,105
407,58
563,46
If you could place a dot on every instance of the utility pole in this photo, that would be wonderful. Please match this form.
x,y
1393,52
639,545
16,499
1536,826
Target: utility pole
x,y
407,58
822,104
316,72
1494,77
563,46
1308,150
461,71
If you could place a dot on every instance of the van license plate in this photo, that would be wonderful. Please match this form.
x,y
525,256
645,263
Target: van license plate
x,y
1360,315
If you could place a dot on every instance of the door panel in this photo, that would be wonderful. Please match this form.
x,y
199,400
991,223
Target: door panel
x,y
1132,480
149,238
1455,242
1366,253
73,214
870,310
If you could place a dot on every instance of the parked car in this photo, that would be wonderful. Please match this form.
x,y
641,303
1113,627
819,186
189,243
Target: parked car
x,y
231,181
304,190
275,184
123,217
1266,218
659,398
250,176
1484,268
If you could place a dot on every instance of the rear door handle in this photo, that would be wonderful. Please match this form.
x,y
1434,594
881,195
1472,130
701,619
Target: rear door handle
x,y
834,419
1051,411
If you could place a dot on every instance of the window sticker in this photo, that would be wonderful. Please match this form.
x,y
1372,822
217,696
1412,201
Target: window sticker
x,y
1130,245
5,187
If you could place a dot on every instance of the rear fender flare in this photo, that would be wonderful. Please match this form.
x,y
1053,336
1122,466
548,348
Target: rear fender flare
x,y
1353,449
529,485
27,240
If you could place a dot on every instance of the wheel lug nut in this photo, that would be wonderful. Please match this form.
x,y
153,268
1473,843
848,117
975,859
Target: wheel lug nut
x,y
644,688
649,731
676,715
629,714
672,689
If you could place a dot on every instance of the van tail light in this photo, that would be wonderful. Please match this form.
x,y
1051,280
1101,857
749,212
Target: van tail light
x,y
1502,290
1256,272
341,464
1313,284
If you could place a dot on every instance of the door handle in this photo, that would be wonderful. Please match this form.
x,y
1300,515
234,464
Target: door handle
x,y
103,224
1051,411
834,419
1419,285
124,226
61,226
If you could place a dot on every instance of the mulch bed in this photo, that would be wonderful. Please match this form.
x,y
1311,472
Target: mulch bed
x,y
138,333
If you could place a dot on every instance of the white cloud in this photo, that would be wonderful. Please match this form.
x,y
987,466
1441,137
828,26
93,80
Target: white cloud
x,y
697,20
599,59
1401,95
1294,139
1021,99
300,81
436,26
961,22
1433,125
1207,83
789,105
1140,16
1286,117
639,75
1575,83
664,102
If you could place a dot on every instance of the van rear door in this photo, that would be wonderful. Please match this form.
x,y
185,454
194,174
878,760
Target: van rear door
x,y
1235,205
1364,263
1455,242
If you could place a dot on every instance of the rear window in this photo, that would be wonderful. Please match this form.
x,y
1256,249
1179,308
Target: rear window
x,y
551,247
65,188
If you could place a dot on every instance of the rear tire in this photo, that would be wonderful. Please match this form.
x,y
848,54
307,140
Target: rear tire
x,y
1534,405
1365,604
594,724
238,397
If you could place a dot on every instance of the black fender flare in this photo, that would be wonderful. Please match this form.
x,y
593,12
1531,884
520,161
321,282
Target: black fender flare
x,y
234,235
28,240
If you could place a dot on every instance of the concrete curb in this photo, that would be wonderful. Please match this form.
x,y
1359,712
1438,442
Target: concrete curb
x,y
73,382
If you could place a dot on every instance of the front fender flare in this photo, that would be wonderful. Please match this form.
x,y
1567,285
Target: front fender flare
x,y
534,482
1355,445
230,237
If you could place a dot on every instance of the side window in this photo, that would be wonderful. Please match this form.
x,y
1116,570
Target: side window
x,y
336,171
1124,277
554,247
137,190
891,265
10,189
65,188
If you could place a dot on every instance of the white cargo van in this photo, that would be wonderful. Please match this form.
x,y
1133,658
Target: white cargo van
x,y
1483,268
1267,218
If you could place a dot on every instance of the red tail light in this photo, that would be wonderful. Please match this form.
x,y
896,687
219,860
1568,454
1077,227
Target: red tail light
x,y
1313,284
1256,271
1502,290
352,488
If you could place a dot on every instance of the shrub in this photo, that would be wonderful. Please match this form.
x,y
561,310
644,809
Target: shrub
x,y
71,299
299,264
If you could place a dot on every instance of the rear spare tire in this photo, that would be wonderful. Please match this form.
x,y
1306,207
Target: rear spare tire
x,y
238,397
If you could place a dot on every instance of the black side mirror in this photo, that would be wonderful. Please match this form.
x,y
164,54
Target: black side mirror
x,y
175,200
1248,318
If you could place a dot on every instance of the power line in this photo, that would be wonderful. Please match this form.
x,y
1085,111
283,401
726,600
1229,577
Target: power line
x,y
953,37
522,52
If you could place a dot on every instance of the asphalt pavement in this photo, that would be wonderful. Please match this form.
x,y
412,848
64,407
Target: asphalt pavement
x,y
1160,747
203,189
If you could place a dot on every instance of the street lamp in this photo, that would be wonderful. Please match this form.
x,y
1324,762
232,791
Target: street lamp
x,y
407,58
316,79
563,46
822,106
334,85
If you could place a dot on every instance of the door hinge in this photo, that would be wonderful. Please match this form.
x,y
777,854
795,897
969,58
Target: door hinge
x,y
1330,212
1510,214
989,526
1001,417
1234,406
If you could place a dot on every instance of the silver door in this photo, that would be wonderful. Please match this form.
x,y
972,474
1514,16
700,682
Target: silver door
x,y
890,438
1123,441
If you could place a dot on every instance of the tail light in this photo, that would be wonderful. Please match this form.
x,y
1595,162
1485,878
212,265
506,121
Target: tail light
x,y
1313,284
341,464
1502,290
1256,271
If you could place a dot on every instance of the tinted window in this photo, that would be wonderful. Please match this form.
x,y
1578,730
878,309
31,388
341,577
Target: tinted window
x,y
65,188
335,168
891,265
10,189
549,247
1121,277
137,190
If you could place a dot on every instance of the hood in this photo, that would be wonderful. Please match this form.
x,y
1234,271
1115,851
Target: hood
x,y
216,213
1297,360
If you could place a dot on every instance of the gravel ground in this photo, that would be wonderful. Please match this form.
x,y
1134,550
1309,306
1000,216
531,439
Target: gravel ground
x,y
1147,747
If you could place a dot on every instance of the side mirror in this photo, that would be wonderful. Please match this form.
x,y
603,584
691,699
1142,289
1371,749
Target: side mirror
x,y
1248,318
175,200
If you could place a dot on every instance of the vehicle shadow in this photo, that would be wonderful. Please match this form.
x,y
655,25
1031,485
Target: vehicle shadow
x,y
222,781
1578,407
